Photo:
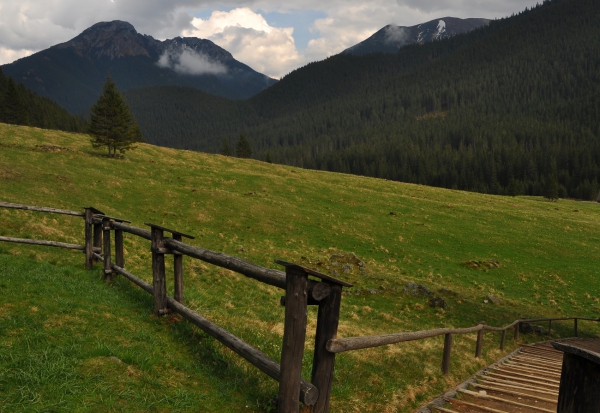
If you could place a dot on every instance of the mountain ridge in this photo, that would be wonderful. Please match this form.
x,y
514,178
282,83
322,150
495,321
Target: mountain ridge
x,y
72,73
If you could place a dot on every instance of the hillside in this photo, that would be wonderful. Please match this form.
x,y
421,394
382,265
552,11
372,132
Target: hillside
x,y
72,73
546,254
490,111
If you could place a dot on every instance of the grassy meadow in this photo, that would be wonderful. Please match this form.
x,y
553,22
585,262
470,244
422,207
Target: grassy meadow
x,y
70,342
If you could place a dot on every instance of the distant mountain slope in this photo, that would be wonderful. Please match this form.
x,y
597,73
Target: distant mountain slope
x,y
391,38
72,73
509,109
34,110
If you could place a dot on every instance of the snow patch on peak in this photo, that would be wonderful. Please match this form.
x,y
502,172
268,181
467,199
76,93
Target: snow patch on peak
x,y
441,29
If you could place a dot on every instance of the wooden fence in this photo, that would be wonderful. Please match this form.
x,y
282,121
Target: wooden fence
x,y
300,291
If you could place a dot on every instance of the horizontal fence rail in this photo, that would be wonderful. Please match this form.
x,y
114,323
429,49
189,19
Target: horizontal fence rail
x,y
300,292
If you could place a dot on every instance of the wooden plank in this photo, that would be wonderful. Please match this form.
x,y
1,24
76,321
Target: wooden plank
x,y
503,400
447,353
528,376
518,385
541,360
523,379
442,409
178,273
314,273
308,392
537,371
44,243
512,392
294,336
41,209
158,273
477,406
324,361
340,345
536,364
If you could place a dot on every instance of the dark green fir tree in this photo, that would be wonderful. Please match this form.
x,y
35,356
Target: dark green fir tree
x,y
226,148
13,111
268,158
243,148
112,124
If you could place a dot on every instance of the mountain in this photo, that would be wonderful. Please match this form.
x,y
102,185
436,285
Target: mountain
x,y
391,38
72,73
506,109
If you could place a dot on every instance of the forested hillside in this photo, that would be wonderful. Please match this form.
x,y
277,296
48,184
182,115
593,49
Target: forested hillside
x,y
20,106
511,108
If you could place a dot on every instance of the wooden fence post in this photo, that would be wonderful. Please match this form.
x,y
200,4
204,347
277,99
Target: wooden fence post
x,y
479,346
106,236
503,339
447,353
294,335
324,361
178,272
549,326
89,246
158,271
97,237
119,249
575,326
517,326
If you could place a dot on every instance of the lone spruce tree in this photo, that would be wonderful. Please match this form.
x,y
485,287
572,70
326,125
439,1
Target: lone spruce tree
x,y
12,110
112,125
243,149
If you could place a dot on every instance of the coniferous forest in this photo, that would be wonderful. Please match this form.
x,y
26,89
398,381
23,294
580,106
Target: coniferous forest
x,y
20,106
511,108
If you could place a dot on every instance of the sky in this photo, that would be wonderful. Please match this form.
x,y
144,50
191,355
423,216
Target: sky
x,y
271,36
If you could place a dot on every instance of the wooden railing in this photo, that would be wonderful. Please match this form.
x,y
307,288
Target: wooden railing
x,y
300,292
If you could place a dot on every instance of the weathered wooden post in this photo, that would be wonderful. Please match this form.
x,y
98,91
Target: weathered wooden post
x,y
107,258
447,353
158,270
575,326
89,246
327,294
294,335
549,326
517,326
119,249
178,272
479,346
158,267
93,235
503,339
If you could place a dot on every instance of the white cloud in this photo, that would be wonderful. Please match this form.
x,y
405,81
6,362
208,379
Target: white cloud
x,y
10,55
250,39
395,34
190,62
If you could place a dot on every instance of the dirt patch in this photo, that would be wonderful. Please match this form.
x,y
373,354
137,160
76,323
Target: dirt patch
x,y
482,265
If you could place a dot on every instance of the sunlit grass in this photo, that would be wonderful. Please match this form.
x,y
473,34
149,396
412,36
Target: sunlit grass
x,y
547,254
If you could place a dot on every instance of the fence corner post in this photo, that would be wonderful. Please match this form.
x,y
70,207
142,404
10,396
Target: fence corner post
x,y
502,340
119,249
479,347
517,327
294,336
324,361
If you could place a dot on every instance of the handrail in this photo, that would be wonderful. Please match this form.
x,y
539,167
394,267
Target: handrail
x,y
41,209
340,345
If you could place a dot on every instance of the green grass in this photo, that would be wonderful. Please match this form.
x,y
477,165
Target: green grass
x,y
548,255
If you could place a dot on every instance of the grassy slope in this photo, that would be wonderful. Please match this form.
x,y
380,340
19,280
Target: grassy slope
x,y
261,212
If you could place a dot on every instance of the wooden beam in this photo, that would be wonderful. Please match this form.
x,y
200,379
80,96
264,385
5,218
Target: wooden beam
x,y
44,243
503,400
512,392
41,209
107,257
447,353
340,345
158,272
89,240
178,273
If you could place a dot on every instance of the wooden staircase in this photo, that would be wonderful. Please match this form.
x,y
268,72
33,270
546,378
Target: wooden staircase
x,y
525,382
